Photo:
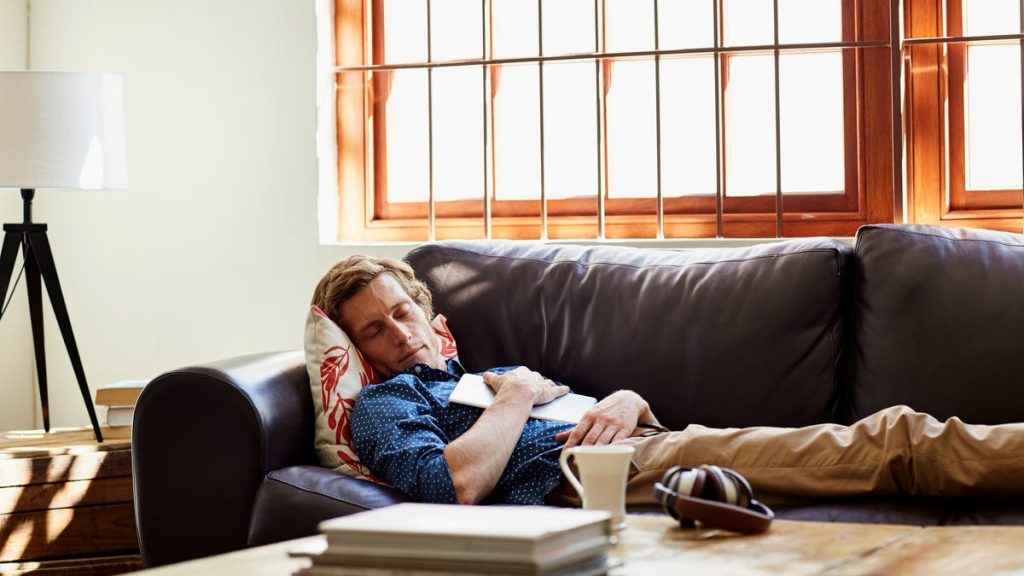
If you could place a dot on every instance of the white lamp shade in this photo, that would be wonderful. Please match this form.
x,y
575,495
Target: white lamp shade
x,y
61,130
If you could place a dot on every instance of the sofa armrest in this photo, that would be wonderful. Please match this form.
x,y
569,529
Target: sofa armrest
x,y
292,501
203,439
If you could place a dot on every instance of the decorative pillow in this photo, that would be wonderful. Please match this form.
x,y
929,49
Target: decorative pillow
x,y
337,373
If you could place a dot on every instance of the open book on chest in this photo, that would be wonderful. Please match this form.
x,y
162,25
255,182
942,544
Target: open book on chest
x,y
472,391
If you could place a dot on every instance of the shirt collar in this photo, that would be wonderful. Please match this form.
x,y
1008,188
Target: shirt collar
x,y
454,370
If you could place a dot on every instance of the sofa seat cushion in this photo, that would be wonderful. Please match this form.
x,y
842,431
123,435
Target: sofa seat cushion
x,y
292,501
981,512
938,322
871,510
912,511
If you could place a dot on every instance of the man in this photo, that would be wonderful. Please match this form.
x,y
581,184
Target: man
x,y
407,433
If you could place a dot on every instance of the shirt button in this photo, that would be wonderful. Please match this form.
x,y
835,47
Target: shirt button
x,y
418,369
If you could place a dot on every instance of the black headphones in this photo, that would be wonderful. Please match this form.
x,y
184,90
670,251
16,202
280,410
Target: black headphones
x,y
713,497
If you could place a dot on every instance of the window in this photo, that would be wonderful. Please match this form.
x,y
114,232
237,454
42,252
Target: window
x,y
612,118
964,112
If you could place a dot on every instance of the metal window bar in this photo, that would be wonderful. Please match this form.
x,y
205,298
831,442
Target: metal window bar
x,y
600,114
994,38
896,97
660,232
540,84
719,123
484,93
635,54
431,204
717,50
778,125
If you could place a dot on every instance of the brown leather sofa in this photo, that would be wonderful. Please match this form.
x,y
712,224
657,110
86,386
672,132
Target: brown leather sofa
x,y
785,334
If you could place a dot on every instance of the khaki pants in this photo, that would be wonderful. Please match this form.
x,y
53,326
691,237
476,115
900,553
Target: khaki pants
x,y
895,451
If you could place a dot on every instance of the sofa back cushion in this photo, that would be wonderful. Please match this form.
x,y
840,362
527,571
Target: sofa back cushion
x,y
723,337
938,323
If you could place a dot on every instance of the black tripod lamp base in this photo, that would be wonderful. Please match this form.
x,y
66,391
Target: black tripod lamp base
x,y
39,269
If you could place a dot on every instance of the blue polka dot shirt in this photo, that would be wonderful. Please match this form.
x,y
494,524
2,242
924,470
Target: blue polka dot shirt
x,y
401,427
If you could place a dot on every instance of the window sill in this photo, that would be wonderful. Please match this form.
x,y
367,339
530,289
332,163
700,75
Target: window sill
x,y
666,244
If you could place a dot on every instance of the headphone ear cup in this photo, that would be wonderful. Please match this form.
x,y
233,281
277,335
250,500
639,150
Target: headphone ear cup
x,y
720,487
676,482
745,494
688,481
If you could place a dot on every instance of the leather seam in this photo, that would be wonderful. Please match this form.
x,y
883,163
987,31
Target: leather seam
x,y
938,237
312,491
634,266
832,337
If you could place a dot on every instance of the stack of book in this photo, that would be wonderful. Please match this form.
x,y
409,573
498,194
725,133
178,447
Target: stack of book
x,y
431,539
119,400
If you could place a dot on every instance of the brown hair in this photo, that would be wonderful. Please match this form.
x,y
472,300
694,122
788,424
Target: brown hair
x,y
352,274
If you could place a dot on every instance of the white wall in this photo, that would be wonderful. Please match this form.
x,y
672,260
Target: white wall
x,y
16,371
13,34
212,251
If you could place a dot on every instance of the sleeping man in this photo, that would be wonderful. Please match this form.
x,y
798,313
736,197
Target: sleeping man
x,y
408,434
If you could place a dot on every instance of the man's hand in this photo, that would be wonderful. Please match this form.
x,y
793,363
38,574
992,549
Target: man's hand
x,y
611,419
542,389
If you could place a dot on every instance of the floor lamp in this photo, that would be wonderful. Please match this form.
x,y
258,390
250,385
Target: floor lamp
x,y
58,130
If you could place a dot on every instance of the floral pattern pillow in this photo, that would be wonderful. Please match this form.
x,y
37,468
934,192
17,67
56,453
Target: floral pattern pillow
x,y
337,373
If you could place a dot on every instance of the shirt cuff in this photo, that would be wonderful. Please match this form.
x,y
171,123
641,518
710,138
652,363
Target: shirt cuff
x,y
435,482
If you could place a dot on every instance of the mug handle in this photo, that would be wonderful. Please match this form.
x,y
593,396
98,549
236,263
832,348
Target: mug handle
x,y
563,461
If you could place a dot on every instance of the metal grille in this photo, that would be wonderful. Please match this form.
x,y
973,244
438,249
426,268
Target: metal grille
x,y
897,46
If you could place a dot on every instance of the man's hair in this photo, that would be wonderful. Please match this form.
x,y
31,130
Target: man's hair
x,y
352,274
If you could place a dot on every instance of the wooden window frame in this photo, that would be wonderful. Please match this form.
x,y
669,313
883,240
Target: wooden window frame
x,y
935,134
365,214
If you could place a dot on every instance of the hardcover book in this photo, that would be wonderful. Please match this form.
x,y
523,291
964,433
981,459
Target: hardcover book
x,y
477,539
471,390
123,393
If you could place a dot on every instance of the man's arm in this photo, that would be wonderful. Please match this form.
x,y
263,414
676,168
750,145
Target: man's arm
x,y
396,433
611,419
477,459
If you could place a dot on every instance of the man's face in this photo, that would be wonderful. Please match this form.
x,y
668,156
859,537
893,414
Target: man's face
x,y
389,328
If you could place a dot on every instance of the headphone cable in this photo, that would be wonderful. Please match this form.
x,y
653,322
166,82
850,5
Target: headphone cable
x,y
11,295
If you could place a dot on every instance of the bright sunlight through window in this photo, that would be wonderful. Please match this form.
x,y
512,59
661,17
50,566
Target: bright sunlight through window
x,y
554,141
992,95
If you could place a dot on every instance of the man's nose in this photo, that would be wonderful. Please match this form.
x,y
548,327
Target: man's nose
x,y
398,332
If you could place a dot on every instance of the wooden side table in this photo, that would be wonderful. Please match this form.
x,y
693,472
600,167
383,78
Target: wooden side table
x,y
66,503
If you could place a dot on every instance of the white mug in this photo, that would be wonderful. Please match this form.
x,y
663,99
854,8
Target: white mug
x,y
603,470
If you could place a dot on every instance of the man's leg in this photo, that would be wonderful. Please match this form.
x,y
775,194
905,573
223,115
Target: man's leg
x,y
895,451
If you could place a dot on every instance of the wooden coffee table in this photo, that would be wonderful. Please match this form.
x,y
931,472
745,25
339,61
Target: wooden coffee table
x,y
656,545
